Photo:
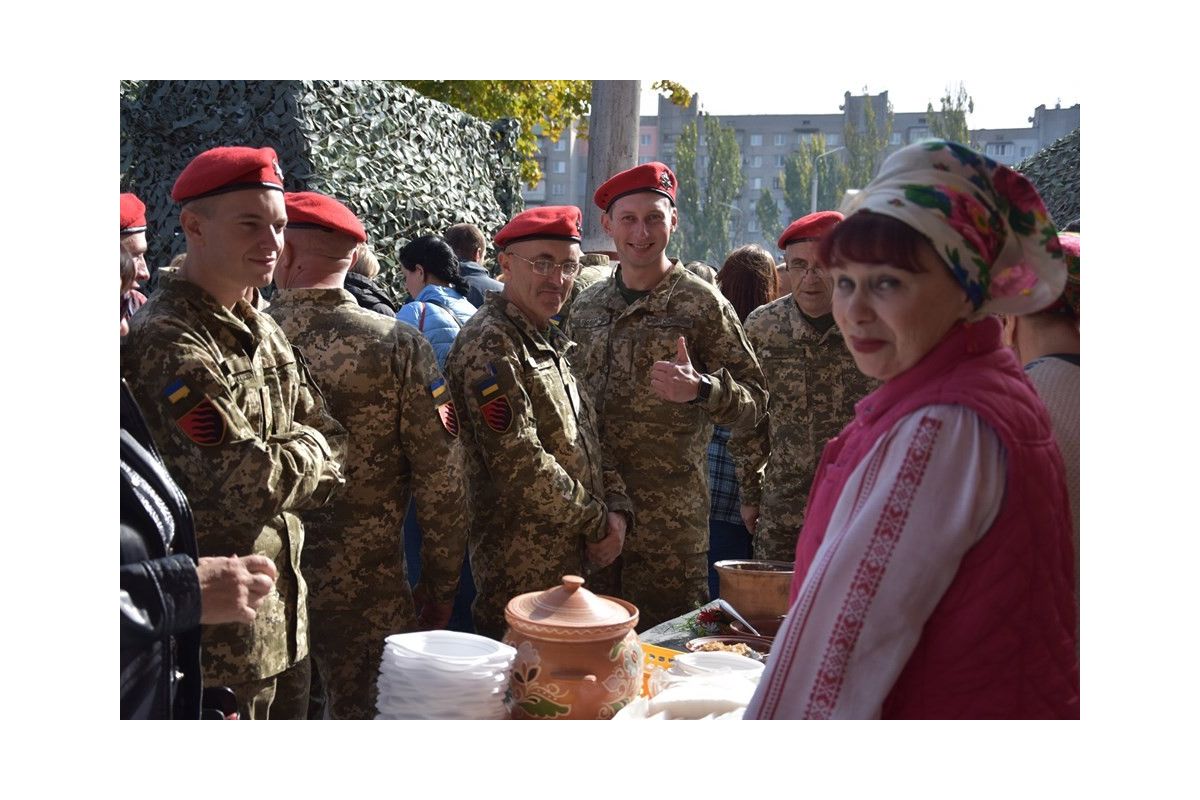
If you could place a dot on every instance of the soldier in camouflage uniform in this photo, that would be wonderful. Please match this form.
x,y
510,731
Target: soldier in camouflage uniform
x,y
381,381
813,385
664,357
237,419
541,501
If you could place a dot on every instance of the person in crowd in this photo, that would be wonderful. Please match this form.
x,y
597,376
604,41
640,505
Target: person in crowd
x,y
934,570
133,243
469,246
1047,343
593,267
785,279
438,310
540,498
236,416
381,380
747,280
361,283
663,357
439,307
813,385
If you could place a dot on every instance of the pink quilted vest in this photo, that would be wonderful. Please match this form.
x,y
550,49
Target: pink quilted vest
x,y
1001,643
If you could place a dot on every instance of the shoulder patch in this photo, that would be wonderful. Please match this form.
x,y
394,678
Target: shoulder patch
x,y
443,404
497,413
195,414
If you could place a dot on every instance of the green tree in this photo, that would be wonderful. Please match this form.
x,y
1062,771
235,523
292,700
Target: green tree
x,y
951,121
551,104
706,211
767,211
866,144
832,178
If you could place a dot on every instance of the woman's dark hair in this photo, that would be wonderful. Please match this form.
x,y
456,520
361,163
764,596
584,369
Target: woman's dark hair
x,y
437,258
870,238
748,279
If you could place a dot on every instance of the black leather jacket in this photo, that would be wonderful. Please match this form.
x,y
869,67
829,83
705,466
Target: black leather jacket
x,y
160,592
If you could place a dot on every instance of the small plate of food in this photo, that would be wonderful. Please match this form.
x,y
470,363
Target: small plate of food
x,y
755,647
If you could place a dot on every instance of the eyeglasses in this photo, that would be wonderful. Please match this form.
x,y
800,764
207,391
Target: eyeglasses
x,y
803,272
542,266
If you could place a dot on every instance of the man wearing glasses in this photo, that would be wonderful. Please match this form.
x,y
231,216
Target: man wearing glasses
x,y
813,387
541,503
664,357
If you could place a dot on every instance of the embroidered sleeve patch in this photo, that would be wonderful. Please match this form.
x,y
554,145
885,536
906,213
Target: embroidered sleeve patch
x,y
444,405
203,424
497,413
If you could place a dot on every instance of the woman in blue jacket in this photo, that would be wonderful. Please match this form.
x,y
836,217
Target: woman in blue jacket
x,y
439,306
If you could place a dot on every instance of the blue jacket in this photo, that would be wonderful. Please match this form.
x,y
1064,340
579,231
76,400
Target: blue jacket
x,y
444,311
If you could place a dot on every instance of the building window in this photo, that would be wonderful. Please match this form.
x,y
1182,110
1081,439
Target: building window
x,y
645,140
896,138
833,139
779,161
756,184
1024,152
778,183
756,140
756,161
560,145
780,139
752,226
558,189
917,134
560,167
999,149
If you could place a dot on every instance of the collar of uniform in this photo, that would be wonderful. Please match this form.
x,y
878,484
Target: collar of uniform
x,y
242,320
552,341
315,296
659,296
802,327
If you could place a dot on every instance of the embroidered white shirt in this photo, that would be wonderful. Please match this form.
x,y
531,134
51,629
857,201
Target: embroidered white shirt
x,y
924,494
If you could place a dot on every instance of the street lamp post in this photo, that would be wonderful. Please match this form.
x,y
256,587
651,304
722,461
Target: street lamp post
x,y
816,162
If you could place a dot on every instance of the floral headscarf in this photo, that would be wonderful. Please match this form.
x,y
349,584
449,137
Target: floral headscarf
x,y
1068,301
986,221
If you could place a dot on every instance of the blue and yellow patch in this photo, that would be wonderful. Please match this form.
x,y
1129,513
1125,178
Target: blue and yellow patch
x,y
176,391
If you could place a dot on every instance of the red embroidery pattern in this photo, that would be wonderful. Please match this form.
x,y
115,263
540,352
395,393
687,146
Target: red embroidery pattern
x,y
871,569
204,424
497,413
449,417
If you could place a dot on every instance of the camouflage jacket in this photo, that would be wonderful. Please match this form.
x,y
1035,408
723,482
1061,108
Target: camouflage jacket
x,y
380,379
813,385
244,432
537,485
659,447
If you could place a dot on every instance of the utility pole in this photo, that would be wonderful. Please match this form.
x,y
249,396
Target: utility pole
x,y
612,147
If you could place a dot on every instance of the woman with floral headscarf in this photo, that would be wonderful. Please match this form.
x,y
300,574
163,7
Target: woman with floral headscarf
x,y
934,570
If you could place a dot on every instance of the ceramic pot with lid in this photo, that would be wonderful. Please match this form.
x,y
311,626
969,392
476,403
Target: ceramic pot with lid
x,y
578,656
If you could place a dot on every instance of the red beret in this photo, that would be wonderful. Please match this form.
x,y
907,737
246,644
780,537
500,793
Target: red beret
x,y
312,210
133,214
809,228
546,222
652,177
227,169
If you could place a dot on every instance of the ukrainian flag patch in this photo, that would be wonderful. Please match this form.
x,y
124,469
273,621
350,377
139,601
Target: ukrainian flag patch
x,y
176,390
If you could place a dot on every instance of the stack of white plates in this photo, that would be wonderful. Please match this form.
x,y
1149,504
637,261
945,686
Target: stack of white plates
x,y
443,675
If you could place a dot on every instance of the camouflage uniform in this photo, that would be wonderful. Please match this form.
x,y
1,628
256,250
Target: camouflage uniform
x,y
659,447
244,432
813,386
595,267
381,380
537,487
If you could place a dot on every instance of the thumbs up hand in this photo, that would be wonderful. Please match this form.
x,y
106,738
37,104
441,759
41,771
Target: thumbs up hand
x,y
676,381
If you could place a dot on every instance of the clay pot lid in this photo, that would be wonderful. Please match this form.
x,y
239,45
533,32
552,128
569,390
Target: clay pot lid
x,y
570,607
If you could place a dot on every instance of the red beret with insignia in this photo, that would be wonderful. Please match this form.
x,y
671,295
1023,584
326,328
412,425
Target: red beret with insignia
x,y
652,177
313,210
547,222
228,169
133,214
809,228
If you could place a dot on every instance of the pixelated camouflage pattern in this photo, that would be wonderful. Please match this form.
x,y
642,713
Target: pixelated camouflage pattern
x,y
595,268
663,585
282,696
376,374
347,648
538,489
813,385
280,454
660,447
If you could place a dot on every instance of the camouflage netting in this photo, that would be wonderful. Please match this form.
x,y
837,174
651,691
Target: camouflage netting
x,y
407,165
1054,171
